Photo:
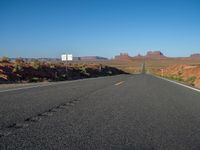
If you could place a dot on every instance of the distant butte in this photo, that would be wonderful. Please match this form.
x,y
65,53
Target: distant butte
x,y
123,56
149,55
195,56
155,54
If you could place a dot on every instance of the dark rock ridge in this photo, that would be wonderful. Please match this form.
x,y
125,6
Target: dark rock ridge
x,y
92,58
53,72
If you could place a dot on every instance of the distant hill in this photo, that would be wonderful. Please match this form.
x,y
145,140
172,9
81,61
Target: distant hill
x,y
92,58
40,59
82,58
153,55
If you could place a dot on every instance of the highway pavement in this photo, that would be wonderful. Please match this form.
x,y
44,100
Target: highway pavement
x,y
124,112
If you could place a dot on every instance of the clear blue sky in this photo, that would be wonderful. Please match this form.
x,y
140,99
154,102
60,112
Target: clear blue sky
x,y
47,28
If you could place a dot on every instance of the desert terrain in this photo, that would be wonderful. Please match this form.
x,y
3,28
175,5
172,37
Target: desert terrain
x,y
19,71
182,69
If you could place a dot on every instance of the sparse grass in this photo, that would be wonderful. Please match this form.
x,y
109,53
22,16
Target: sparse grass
x,y
191,80
36,64
4,59
151,65
175,77
35,79
37,71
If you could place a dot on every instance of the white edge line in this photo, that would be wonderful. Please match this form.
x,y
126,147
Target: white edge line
x,y
118,83
195,89
22,88
49,84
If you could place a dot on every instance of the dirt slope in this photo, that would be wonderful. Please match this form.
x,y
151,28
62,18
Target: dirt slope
x,y
42,71
186,73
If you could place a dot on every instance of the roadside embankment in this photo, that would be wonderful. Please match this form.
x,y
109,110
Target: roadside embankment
x,y
187,74
36,71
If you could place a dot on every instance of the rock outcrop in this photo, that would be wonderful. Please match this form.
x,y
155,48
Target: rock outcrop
x,y
196,56
155,55
149,55
123,57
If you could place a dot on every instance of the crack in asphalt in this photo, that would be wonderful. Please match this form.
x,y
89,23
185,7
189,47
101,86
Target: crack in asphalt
x,y
10,129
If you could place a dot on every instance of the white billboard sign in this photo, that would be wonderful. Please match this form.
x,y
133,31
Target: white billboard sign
x,y
69,57
66,57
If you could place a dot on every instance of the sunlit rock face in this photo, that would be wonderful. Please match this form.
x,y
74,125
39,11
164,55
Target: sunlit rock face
x,y
195,56
155,54
123,56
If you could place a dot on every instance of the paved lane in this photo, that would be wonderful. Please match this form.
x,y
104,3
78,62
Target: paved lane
x,y
129,112
17,105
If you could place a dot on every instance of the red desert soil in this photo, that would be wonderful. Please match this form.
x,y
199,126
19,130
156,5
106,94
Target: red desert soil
x,y
187,73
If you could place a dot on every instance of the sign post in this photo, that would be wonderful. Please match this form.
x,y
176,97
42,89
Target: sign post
x,y
65,58
162,72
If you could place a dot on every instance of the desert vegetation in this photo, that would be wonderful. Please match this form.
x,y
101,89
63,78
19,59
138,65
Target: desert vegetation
x,y
184,70
20,70
189,74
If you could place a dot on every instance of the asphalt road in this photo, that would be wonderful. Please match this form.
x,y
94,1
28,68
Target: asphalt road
x,y
125,112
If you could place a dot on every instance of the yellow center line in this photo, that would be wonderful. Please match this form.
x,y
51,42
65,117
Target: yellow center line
x,y
119,83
